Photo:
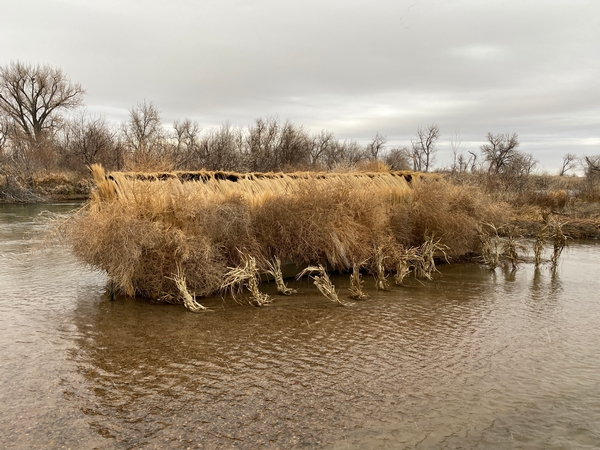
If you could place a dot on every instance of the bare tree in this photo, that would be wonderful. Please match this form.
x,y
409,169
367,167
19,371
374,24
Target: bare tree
x,y
35,96
569,163
4,131
187,144
472,161
273,145
523,163
423,147
144,137
398,158
376,145
221,148
261,144
500,152
323,150
90,140
460,162
294,147
592,165
350,153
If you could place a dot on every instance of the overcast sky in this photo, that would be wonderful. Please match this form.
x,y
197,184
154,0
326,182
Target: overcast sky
x,y
352,67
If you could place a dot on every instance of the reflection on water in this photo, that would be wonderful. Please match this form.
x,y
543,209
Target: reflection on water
x,y
476,358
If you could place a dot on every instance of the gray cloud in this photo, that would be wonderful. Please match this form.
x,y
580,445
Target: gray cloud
x,y
352,67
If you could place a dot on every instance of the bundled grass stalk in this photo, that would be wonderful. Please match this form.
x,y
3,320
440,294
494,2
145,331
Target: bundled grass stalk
x,y
323,282
489,242
425,265
245,275
189,299
511,246
540,241
405,264
356,284
559,241
381,282
274,269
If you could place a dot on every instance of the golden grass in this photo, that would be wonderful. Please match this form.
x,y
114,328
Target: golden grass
x,y
141,228
381,282
323,282
245,275
274,269
356,284
424,265
189,300
405,263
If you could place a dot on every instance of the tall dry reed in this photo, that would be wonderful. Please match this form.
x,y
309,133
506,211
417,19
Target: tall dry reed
x,y
141,228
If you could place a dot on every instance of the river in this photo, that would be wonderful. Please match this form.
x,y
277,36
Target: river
x,y
473,359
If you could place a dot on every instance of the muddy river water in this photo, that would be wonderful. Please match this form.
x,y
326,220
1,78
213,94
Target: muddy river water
x,y
474,359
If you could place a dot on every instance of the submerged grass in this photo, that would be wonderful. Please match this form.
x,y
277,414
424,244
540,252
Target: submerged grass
x,y
274,270
512,246
356,284
247,275
189,299
405,263
204,226
323,282
489,242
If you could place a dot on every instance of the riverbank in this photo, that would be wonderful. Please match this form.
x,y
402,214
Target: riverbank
x,y
580,219
566,198
45,188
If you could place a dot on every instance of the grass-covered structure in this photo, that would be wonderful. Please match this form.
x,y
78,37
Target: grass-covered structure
x,y
150,231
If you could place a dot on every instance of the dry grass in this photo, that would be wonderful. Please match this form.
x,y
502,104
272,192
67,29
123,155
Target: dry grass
x,y
424,265
550,229
449,212
489,242
381,282
141,228
405,263
274,269
323,282
189,300
356,284
245,275
539,243
512,245
52,178
559,241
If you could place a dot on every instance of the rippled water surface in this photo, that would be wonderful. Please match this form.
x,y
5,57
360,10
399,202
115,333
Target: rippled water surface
x,y
475,359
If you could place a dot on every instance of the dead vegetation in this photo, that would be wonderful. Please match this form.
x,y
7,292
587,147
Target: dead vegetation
x,y
356,284
245,275
405,263
512,245
381,282
489,242
220,230
274,270
189,300
323,282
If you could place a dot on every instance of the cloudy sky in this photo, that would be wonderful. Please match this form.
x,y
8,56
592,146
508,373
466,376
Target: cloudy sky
x,y
352,67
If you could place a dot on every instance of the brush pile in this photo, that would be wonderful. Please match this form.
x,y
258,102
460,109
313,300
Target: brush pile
x,y
149,230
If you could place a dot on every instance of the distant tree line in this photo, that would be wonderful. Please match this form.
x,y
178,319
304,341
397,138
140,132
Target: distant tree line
x,y
43,127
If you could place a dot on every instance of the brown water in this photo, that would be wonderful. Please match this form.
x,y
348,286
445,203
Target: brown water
x,y
475,359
